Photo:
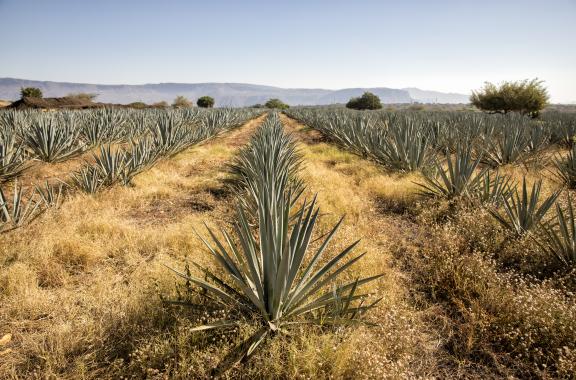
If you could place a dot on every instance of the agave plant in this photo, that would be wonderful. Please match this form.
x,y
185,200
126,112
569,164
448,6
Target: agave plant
x,y
561,242
451,131
103,126
395,141
87,179
110,164
406,146
458,179
268,278
140,156
138,124
494,188
18,212
522,211
538,138
359,134
169,134
270,275
566,168
12,162
507,146
50,195
271,153
447,138
563,128
50,142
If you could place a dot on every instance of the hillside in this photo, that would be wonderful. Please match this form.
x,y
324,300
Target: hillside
x,y
424,96
226,94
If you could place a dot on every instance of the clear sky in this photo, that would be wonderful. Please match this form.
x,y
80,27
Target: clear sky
x,y
450,45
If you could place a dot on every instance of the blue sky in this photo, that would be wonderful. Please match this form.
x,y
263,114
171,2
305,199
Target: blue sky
x,y
438,45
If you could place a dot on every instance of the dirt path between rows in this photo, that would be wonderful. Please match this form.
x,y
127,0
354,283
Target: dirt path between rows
x,y
193,181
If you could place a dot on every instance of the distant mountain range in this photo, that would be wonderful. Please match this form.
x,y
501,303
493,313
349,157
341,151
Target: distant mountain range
x,y
226,94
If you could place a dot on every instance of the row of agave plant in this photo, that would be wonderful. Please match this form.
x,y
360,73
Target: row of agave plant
x,y
409,141
459,154
266,274
167,137
163,135
29,136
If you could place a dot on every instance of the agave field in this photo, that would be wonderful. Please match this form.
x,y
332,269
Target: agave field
x,y
123,144
193,243
477,166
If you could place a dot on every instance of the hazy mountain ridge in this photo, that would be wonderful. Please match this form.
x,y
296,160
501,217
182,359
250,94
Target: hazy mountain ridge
x,y
226,94
424,96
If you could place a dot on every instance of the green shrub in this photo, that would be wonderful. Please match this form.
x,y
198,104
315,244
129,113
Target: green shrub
x,y
368,101
205,102
30,92
528,97
276,103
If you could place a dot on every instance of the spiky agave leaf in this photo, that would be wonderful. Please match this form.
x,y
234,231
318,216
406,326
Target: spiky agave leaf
x,y
12,161
560,237
87,179
523,211
458,179
110,163
508,145
566,168
18,212
170,134
103,126
562,128
271,153
50,141
406,146
494,188
138,158
539,137
454,130
50,195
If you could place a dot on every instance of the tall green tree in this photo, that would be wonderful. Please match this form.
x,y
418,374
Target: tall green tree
x,y
368,101
527,97
30,92
276,103
205,102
